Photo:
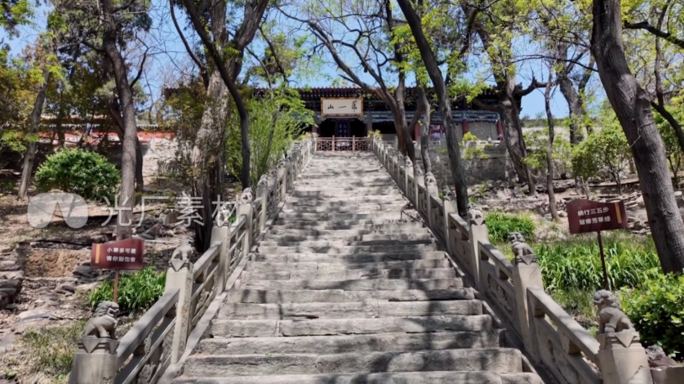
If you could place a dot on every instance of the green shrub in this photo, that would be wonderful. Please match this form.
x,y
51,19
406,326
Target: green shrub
x,y
138,291
500,225
576,264
85,173
657,311
50,350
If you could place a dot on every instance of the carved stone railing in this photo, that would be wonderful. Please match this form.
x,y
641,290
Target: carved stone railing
x,y
158,339
515,291
343,144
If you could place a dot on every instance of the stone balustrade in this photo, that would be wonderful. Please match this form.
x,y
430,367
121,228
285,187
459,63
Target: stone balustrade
x,y
515,291
160,338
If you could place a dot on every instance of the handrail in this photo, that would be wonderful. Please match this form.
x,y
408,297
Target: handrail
x,y
558,343
158,339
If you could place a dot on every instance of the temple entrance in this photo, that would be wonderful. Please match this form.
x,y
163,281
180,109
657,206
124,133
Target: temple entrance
x,y
342,127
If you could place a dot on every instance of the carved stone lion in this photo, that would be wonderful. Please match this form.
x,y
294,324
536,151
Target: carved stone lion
x,y
430,180
103,323
183,252
282,163
518,244
611,317
409,163
247,196
263,182
476,217
223,215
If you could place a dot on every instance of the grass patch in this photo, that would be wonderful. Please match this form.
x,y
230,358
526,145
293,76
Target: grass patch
x,y
50,351
500,225
138,291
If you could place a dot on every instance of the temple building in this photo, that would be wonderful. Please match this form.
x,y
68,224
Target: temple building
x,y
350,111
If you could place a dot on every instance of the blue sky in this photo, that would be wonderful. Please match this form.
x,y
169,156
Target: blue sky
x,y
168,53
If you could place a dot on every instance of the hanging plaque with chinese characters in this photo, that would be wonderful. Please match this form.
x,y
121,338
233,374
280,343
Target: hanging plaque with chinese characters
x,y
124,254
593,216
341,107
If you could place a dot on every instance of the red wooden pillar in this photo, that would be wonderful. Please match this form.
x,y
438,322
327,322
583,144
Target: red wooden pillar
x,y
464,126
416,132
499,129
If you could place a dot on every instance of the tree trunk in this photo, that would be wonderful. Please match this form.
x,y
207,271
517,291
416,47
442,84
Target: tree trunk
x,y
30,156
425,131
115,113
549,152
409,148
435,74
632,107
574,107
128,158
510,117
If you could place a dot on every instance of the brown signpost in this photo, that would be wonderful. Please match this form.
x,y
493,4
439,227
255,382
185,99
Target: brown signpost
x,y
118,255
593,216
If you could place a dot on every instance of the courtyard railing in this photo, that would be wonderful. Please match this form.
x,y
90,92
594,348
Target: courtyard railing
x,y
343,144
515,293
165,334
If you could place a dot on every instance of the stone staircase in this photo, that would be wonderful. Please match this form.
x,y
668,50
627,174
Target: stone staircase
x,y
342,290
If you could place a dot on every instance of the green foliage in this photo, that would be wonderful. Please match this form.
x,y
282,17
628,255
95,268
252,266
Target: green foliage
x,y
276,119
473,151
375,134
604,154
85,173
537,143
657,311
138,291
672,149
576,264
50,350
501,224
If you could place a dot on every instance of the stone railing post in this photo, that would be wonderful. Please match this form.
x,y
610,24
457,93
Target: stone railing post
x,y
622,358
180,276
526,273
245,208
432,190
221,234
262,193
408,172
95,361
449,208
477,233
282,173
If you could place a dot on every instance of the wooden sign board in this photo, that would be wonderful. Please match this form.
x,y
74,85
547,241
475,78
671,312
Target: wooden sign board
x,y
341,107
120,255
592,216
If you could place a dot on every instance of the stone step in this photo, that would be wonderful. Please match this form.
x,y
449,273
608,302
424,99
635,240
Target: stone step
x,y
382,342
341,192
434,377
365,309
501,360
294,216
348,198
258,296
323,266
340,204
347,249
359,258
294,231
355,285
329,224
368,210
354,274
364,326
338,240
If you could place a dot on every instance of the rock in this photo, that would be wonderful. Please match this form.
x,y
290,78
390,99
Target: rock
x,y
65,288
562,214
9,265
657,357
12,275
85,271
87,287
